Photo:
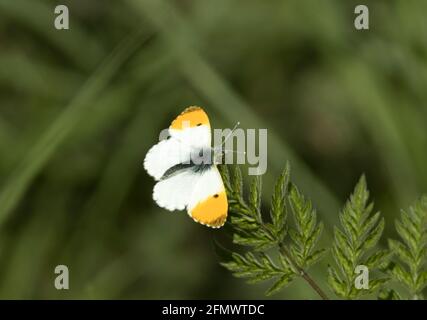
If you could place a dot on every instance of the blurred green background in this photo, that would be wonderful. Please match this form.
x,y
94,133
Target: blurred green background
x,y
79,109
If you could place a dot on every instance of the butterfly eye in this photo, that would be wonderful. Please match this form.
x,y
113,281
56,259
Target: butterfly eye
x,y
168,137
199,124
216,196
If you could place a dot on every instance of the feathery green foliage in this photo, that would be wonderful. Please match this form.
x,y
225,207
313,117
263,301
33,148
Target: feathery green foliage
x,y
307,232
356,245
251,229
410,268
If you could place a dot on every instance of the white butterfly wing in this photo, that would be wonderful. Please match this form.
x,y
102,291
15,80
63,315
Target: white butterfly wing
x,y
202,193
174,193
208,203
192,128
164,155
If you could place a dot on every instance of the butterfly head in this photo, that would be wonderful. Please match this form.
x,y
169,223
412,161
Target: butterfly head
x,y
207,156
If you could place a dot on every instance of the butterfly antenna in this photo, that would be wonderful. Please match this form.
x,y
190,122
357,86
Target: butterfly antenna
x,y
231,132
234,151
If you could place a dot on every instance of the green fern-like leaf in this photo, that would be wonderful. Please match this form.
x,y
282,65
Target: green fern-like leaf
x,y
391,294
307,232
355,241
355,244
246,219
278,211
410,267
251,229
254,267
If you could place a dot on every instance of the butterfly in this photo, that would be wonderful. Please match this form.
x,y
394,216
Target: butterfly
x,y
184,167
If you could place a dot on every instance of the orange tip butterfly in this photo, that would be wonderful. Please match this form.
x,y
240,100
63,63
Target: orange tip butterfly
x,y
183,183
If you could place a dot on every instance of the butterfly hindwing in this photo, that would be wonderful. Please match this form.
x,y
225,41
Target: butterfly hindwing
x,y
174,192
164,155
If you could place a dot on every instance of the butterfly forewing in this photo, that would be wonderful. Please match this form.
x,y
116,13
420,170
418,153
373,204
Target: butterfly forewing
x,y
208,203
192,127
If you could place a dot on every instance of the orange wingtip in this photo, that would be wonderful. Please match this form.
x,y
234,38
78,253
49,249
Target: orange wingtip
x,y
212,211
189,118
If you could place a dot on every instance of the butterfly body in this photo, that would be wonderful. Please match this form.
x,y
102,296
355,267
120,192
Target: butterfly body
x,y
184,166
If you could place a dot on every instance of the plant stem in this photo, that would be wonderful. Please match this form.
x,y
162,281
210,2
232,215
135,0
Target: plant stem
x,y
303,273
